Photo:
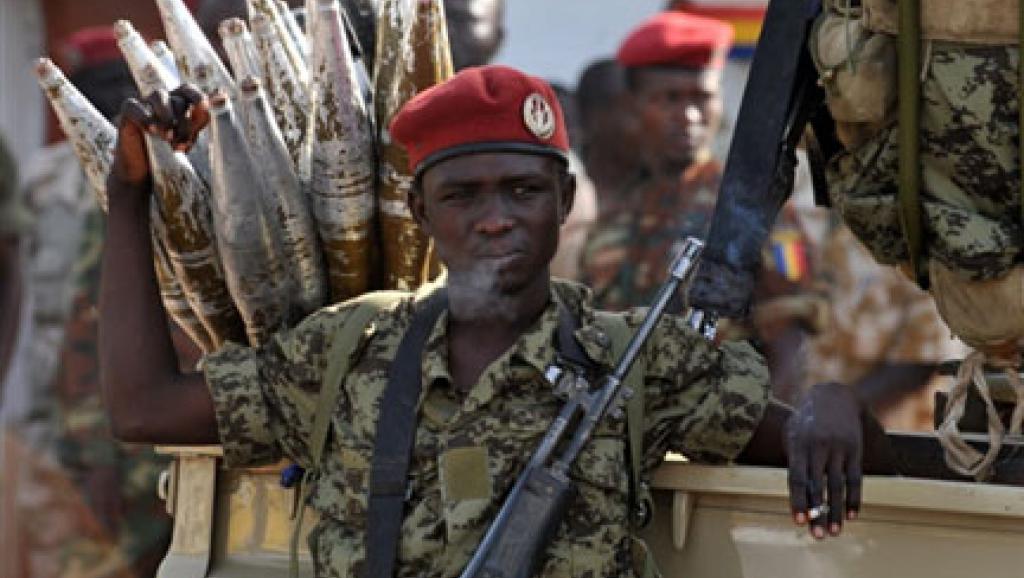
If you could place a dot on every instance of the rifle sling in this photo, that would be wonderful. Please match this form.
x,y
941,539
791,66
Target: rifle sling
x,y
396,432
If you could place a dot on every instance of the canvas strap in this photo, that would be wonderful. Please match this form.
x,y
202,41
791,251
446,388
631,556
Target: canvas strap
x,y
344,345
910,211
396,433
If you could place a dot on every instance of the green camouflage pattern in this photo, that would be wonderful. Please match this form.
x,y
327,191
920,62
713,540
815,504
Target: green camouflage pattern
x,y
970,167
85,505
13,218
701,400
630,246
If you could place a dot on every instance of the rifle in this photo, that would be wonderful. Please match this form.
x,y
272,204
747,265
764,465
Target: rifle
x,y
781,99
534,508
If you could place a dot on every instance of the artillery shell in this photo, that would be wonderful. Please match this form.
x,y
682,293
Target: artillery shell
x,y
192,48
341,158
292,25
286,85
171,294
413,55
91,135
184,208
163,52
240,48
251,267
286,205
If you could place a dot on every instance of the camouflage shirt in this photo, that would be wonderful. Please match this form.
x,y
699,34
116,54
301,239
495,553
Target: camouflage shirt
x,y
699,400
630,246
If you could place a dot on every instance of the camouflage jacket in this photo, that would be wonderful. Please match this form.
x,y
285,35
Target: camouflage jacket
x,y
700,400
632,243
970,185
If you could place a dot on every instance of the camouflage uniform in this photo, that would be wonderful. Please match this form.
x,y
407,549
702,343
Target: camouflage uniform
x,y
701,401
72,473
878,317
970,167
631,245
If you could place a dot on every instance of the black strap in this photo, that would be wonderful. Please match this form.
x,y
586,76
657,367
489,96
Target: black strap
x,y
396,432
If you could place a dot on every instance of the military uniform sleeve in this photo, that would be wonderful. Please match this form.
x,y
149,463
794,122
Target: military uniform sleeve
x,y
702,401
266,398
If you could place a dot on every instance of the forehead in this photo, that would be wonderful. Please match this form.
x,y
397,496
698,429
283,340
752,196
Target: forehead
x,y
664,79
487,167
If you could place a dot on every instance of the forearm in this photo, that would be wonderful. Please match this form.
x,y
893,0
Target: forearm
x,y
147,397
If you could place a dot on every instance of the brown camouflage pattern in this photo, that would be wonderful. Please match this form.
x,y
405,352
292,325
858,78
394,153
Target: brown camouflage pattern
x,y
877,317
700,400
627,254
971,175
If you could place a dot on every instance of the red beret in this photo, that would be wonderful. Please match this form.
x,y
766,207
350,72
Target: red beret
x,y
677,39
481,109
90,47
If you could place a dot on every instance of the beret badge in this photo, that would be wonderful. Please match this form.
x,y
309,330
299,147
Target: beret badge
x,y
538,116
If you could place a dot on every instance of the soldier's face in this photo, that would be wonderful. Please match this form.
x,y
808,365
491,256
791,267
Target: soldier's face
x,y
679,111
495,217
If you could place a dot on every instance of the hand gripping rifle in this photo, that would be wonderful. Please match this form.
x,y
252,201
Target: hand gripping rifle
x,y
781,99
528,519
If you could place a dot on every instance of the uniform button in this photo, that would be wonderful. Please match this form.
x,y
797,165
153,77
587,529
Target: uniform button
x,y
602,339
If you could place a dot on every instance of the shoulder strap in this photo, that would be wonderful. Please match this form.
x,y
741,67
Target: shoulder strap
x,y
641,504
340,355
392,448
639,494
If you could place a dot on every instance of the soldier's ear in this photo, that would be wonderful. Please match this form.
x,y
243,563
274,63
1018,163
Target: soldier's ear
x,y
567,195
417,206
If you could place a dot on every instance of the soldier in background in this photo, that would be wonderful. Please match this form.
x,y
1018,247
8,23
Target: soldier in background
x,y
476,29
673,64
608,138
885,336
82,503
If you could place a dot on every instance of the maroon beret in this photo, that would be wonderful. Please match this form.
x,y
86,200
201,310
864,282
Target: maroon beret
x,y
90,47
481,109
677,39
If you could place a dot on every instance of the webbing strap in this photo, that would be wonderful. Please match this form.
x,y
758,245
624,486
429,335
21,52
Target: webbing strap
x,y
909,136
1020,108
393,443
340,355
639,495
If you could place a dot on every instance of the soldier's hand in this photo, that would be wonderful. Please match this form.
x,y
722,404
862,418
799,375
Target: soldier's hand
x,y
824,440
176,117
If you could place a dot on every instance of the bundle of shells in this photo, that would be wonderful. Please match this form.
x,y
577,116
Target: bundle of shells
x,y
294,197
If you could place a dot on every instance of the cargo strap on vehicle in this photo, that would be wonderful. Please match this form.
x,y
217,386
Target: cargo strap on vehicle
x,y
910,211
346,340
960,456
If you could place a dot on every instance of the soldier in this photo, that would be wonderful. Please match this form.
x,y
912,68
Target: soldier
x,y
492,188
476,29
673,62
83,505
885,337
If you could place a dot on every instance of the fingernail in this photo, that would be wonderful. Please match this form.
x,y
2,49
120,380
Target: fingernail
x,y
818,532
834,529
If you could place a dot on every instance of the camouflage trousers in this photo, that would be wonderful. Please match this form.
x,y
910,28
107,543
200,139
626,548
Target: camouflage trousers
x,y
970,167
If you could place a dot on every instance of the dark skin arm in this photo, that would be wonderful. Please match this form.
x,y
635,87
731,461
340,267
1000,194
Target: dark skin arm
x,y
147,397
